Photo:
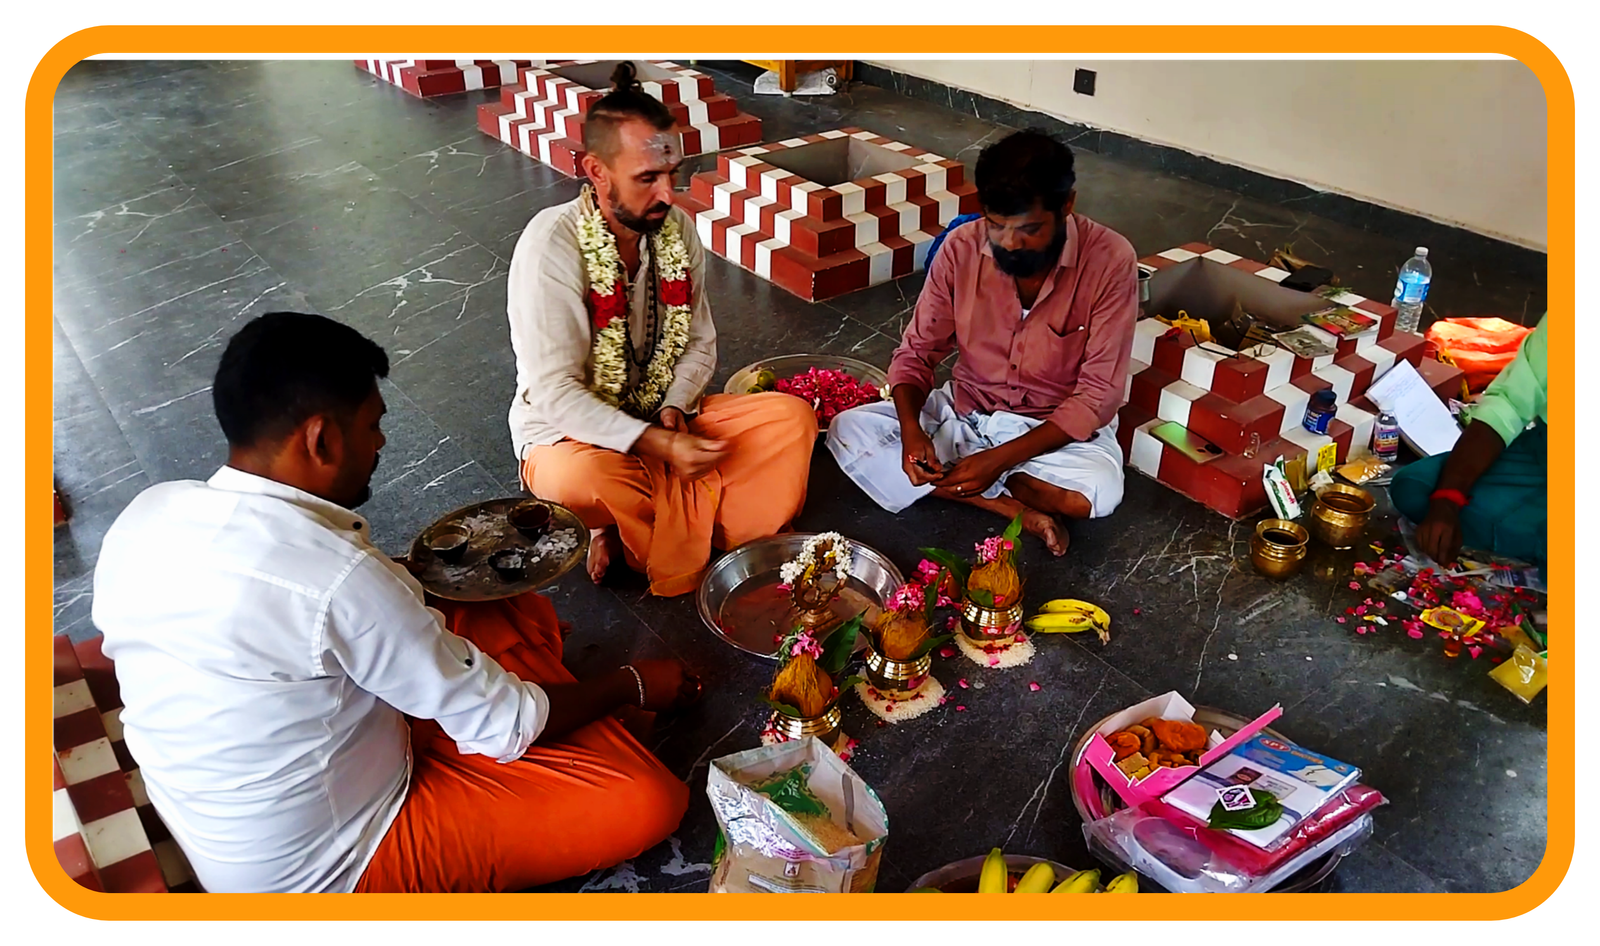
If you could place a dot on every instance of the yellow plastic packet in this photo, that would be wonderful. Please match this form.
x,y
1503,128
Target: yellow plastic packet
x,y
1523,673
1449,619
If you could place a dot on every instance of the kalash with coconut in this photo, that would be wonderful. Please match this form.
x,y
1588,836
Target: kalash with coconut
x,y
804,696
991,630
899,656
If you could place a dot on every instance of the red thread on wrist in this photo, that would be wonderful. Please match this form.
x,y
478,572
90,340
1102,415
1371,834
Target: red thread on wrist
x,y
1454,496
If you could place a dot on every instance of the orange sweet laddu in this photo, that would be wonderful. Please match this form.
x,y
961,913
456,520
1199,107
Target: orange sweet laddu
x,y
1179,736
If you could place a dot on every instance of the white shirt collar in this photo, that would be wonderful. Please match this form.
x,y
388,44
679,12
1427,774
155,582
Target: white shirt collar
x,y
235,480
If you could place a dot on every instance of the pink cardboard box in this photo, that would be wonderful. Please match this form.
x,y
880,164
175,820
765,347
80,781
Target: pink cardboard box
x,y
1158,783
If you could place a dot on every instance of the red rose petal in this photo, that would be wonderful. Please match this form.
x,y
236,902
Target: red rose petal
x,y
1034,687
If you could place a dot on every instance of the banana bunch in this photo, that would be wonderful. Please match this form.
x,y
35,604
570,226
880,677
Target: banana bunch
x,y
1071,616
1041,878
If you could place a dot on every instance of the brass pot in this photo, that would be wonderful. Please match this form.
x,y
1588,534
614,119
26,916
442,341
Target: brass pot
x,y
987,626
1339,515
1278,548
824,727
896,678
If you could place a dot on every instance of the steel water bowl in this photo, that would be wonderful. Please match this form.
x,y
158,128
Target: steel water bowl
x,y
740,602
787,366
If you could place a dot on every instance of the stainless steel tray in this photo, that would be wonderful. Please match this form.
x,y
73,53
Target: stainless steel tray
x,y
740,602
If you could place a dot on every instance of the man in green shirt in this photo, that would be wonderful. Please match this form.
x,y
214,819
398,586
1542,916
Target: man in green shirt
x,y
1489,492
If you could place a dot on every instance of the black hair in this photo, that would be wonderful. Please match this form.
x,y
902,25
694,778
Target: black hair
x,y
284,367
627,101
1022,169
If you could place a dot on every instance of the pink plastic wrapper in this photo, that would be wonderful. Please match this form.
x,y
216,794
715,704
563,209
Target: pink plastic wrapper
x,y
1182,854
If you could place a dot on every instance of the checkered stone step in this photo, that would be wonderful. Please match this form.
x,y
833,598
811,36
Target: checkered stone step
x,y
772,209
107,834
542,114
426,78
1254,398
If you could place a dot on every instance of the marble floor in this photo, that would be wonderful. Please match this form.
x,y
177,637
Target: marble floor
x,y
191,196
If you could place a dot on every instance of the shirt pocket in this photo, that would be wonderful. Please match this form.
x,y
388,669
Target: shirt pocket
x,y
1052,357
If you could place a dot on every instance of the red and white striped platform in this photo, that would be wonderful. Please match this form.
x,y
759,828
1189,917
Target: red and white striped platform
x,y
107,835
819,240
1225,396
542,114
426,78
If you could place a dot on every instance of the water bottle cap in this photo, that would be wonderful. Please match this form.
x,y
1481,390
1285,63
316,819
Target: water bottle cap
x,y
1422,251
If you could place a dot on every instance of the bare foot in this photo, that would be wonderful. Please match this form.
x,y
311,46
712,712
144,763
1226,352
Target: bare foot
x,y
604,544
1046,528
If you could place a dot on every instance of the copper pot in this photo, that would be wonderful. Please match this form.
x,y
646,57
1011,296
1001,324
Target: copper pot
x,y
1278,548
1339,515
896,678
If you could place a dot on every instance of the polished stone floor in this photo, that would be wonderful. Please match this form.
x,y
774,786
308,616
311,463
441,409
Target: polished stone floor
x,y
193,195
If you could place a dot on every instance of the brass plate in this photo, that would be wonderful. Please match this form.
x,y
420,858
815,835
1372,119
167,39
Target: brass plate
x,y
472,579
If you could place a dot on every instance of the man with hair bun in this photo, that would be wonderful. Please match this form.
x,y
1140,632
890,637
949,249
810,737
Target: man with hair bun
x,y
615,347
1040,303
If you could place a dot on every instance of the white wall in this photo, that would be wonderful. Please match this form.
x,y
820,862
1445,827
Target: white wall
x,y
1459,141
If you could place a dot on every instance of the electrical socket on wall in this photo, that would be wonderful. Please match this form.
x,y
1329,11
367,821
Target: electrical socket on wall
x,y
1083,81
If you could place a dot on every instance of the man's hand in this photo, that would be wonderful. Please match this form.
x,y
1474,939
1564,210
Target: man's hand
x,y
668,684
1439,535
692,457
970,477
689,456
673,419
918,457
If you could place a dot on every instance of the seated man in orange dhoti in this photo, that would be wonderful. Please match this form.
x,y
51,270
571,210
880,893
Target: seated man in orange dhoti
x,y
303,719
615,346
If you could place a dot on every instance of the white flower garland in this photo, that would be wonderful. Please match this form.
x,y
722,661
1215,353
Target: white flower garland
x,y
837,557
603,266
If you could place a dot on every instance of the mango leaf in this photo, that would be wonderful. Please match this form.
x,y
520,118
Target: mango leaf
x,y
931,595
1014,530
929,644
836,650
983,598
959,569
848,682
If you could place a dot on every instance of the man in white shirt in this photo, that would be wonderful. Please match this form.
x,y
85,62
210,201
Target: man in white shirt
x,y
303,721
615,346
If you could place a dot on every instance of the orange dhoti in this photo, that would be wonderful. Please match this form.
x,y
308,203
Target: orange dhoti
x,y
587,800
668,525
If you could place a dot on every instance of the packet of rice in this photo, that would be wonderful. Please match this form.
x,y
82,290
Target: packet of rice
x,y
795,819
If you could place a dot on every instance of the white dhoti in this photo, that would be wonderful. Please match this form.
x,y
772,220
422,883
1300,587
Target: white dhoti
x,y
866,443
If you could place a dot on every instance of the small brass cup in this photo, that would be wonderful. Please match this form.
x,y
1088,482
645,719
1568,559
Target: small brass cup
x,y
1278,548
1339,515
531,518
448,543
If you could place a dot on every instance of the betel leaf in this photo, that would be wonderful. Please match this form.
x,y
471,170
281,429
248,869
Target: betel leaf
x,y
1264,814
783,708
983,598
836,650
959,570
929,644
849,682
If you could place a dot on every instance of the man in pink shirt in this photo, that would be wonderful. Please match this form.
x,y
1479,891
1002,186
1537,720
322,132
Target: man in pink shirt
x,y
1040,302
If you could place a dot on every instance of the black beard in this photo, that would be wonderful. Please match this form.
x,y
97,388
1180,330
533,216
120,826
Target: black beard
x,y
1024,263
639,224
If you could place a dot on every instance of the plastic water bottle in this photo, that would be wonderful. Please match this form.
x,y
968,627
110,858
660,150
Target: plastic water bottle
x,y
1411,289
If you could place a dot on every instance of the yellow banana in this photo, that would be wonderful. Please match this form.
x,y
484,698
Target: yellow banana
x,y
993,878
1073,605
1084,881
1038,879
1124,883
1060,623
